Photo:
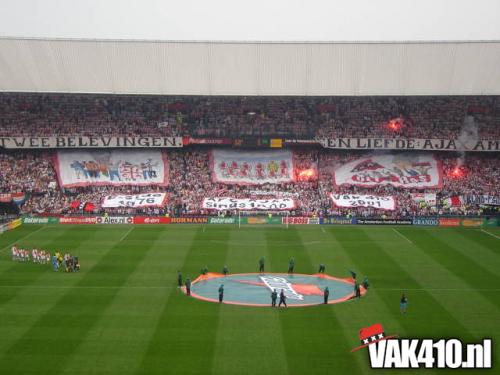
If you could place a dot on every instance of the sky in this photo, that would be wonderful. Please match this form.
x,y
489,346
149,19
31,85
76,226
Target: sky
x,y
253,20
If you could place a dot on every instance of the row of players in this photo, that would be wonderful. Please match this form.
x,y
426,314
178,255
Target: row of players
x,y
67,262
35,255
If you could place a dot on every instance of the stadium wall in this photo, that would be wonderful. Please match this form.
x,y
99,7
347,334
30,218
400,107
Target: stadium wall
x,y
238,68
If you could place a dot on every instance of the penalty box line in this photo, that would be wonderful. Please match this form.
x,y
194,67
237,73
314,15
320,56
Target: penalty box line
x,y
403,236
491,234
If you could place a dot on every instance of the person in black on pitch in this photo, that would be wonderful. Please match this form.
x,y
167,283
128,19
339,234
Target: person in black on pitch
x,y
282,298
221,293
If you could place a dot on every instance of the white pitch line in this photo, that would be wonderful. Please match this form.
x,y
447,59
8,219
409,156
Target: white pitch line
x,y
172,287
203,229
441,289
402,235
87,287
323,230
22,238
491,234
126,234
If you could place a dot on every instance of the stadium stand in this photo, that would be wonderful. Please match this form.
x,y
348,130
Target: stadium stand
x,y
301,117
190,181
33,173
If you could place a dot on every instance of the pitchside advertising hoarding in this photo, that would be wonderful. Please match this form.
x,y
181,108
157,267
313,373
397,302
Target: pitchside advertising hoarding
x,y
426,221
297,220
10,225
291,220
40,220
151,220
364,221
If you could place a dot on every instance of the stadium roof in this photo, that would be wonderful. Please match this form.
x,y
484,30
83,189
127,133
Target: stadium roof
x,y
425,47
218,68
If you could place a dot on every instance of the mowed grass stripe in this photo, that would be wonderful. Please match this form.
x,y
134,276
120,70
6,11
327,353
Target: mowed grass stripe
x,y
9,238
475,246
455,262
491,232
485,237
185,335
129,322
425,314
60,331
19,313
439,282
248,336
30,299
314,339
26,274
355,314
473,310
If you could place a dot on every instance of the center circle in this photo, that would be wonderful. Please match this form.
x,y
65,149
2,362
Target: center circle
x,y
254,289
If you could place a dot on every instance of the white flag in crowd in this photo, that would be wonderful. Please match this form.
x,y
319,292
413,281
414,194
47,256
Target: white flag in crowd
x,y
249,204
356,200
135,201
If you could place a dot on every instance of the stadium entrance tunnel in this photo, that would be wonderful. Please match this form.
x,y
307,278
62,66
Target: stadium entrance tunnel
x,y
254,289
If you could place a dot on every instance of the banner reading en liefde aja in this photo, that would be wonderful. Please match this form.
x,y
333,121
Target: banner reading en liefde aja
x,y
248,204
251,167
135,201
410,144
116,167
355,200
406,170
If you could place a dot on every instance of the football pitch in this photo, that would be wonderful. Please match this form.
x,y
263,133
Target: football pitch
x,y
123,313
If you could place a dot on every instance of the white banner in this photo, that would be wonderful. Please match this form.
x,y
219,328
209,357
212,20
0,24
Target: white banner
x,y
135,201
116,167
410,144
406,170
428,198
487,200
252,168
355,200
89,142
249,204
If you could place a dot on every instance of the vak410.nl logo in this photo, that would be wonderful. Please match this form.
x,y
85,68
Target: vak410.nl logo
x,y
391,352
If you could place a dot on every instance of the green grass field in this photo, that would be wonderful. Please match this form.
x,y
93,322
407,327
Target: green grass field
x,y
123,314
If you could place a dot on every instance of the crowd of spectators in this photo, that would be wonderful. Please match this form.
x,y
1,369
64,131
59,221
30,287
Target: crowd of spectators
x,y
190,181
296,117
